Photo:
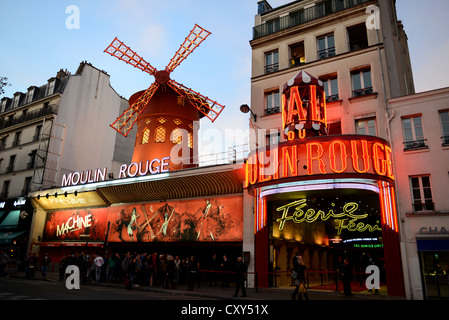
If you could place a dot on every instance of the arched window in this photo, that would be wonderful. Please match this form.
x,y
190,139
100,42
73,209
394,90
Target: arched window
x,y
159,135
146,136
176,136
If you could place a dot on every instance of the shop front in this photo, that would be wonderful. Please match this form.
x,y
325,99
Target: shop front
x,y
326,198
190,212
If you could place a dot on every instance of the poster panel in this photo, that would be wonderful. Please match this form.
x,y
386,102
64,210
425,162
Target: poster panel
x,y
202,220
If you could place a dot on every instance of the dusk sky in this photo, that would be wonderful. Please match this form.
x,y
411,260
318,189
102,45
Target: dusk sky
x,y
36,43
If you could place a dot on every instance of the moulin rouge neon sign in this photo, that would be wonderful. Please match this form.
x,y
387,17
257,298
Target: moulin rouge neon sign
x,y
348,219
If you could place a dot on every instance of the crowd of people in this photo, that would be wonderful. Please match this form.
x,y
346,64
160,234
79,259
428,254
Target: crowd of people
x,y
154,270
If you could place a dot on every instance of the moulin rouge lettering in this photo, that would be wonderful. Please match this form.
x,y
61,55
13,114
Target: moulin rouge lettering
x,y
74,223
348,219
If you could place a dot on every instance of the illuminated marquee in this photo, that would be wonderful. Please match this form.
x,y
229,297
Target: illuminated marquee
x,y
126,171
303,107
320,156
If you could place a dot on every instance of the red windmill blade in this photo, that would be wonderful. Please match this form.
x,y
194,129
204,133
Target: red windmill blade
x,y
118,49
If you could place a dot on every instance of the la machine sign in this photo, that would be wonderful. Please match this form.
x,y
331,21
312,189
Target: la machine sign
x,y
134,169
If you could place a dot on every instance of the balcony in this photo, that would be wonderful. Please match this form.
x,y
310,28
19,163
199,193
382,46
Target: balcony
x,y
415,144
274,110
271,68
422,207
362,92
326,53
304,15
11,121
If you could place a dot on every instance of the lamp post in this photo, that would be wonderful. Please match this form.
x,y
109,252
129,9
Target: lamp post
x,y
245,109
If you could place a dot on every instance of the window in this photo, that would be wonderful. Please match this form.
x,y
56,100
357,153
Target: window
x,y
50,87
413,133
29,96
16,141
274,137
330,85
334,127
161,120
326,46
176,136
444,117
271,61
358,38
190,143
421,194
273,26
272,102
12,160
361,82
37,133
146,136
3,108
26,186
5,190
32,159
297,55
159,136
15,101
366,126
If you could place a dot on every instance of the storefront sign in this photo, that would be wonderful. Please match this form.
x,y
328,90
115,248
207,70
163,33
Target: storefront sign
x,y
320,156
434,230
74,223
126,171
349,218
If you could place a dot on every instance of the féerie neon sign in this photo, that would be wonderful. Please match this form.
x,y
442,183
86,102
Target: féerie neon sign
x,y
348,219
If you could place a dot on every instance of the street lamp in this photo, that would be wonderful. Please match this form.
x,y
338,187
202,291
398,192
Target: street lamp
x,y
245,109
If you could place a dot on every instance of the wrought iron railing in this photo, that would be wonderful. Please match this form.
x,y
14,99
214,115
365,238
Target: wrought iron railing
x,y
445,140
304,15
44,111
362,92
415,144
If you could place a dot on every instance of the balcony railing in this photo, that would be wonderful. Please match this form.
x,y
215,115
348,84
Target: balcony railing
x,y
425,206
445,140
53,109
326,53
271,68
415,144
304,15
332,98
362,92
274,110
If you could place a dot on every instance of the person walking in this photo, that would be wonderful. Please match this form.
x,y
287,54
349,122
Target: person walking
x,y
298,274
4,261
346,273
98,261
45,262
240,277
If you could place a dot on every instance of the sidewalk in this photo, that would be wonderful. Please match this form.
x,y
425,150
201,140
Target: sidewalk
x,y
227,293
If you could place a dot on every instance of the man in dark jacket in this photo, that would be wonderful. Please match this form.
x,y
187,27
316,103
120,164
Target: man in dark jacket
x,y
241,277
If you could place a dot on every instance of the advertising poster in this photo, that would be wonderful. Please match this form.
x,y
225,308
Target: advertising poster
x,y
203,220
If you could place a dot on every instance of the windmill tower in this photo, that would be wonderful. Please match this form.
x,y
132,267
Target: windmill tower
x,y
167,113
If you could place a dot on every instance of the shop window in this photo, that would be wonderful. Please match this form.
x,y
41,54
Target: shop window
x,y
272,102
413,133
366,126
444,118
361,82
326,46
297,54
421,194
357,37
146,136
176,136
271,61
330,84
159,136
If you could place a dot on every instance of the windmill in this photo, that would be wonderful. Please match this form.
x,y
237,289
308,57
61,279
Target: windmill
x,y
166,113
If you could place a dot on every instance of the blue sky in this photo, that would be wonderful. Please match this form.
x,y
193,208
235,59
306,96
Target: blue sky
x,y
35,44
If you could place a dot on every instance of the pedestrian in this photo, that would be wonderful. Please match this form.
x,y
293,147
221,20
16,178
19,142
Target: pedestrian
x,y
240,277
4,261
45,262
162,270
299,277
346,274
226,268
171,272
62,267
191,269
31,265
112,263
213,268
98,262
178,269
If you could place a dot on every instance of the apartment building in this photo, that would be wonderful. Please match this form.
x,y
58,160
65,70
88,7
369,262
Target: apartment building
x,y
358,51
51,130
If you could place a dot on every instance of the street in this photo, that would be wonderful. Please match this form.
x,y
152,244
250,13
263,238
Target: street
x,y
34,289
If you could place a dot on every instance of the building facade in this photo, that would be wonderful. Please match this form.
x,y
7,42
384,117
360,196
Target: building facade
x,y
358,51
419,124
46,133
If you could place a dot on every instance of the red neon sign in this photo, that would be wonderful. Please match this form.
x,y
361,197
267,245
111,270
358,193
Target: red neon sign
x,y
329,155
